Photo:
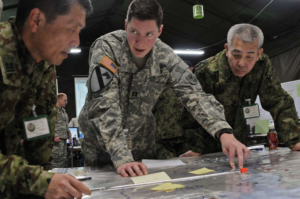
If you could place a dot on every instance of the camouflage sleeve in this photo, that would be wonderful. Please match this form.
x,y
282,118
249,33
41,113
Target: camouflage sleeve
x,y
104,111
281,106
37,152
204,107
205,79
18,177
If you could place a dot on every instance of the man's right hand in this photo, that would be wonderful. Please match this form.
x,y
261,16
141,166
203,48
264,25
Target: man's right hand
x,y
56,139
133,169
66,186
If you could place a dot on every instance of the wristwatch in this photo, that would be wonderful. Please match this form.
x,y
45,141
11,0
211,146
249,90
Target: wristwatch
x,y
228,131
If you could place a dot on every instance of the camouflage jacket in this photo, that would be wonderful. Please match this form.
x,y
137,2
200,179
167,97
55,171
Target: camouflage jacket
x,y
127,102
216,78
22,84
167,113
61,127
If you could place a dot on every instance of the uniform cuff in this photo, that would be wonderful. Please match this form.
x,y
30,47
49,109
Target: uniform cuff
x,y
218,126
41,185
122,156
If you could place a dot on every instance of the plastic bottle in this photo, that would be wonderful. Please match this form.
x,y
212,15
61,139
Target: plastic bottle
x,y
272,137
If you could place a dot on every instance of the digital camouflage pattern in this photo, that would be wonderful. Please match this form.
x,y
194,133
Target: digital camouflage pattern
x,y
59,151
118,122
216,78
22,84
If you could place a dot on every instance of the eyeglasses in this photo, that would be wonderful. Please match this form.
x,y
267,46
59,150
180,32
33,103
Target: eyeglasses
x,y
66,101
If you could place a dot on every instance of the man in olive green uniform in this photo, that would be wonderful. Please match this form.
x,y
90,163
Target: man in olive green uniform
x,y
128,71
240,73
62,133
165,119
30,45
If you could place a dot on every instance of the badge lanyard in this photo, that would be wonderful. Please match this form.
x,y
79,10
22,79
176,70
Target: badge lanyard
x,y
251,111
36,127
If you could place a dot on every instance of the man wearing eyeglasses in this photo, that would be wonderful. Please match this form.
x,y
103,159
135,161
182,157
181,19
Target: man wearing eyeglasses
x,y
62,133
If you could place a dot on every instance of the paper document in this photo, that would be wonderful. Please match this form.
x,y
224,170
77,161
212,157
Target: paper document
x,y
168,186
151,178
201,171
262,126
162,163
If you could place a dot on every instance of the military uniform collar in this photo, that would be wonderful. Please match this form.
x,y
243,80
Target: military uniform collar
x,y
128,65
26,60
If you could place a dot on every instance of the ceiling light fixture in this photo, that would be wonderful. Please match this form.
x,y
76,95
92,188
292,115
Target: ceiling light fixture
x,y
189,52
75,50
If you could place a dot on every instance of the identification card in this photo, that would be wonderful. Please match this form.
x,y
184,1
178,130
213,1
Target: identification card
x,y
37,127
251,111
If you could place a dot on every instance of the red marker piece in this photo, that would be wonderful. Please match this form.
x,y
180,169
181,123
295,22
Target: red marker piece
x,y
244,170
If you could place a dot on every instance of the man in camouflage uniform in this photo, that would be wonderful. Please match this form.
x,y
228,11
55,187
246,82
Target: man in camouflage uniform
x,y
240,72
30,46
62,133
167,113
128,71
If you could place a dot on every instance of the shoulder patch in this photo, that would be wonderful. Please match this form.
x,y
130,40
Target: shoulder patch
x,y
109,64
192,79
9,65
100,78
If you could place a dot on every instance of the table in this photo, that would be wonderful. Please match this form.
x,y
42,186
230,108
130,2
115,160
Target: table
x,y
272,174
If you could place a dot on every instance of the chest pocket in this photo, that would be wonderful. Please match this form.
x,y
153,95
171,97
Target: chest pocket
x,y
149,90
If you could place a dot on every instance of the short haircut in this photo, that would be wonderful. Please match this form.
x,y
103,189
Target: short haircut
x,y
60,95
145,10
51,8
245,32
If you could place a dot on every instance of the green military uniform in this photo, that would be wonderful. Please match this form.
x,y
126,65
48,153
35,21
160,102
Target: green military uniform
x,y
127,102
59,151
169,133
23,83
215,76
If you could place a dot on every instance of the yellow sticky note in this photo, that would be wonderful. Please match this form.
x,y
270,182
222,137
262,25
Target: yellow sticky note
x,y
167,187
151,178
201,171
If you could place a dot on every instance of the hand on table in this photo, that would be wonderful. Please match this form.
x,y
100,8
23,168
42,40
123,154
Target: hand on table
x,y
66,186
231,147
296,147
190,154
132,169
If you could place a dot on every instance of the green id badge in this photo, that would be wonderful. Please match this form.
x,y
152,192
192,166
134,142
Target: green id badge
x,y
251,111
37,127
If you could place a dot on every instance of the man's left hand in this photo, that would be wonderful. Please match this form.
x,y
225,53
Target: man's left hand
x,y
296,147
70,140
231,146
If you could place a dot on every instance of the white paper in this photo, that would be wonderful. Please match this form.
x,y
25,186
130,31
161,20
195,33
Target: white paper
x,y
162,163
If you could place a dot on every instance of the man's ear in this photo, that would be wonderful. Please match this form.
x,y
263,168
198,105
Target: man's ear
x,y
261,50
160,29
125,24
226,48
36,17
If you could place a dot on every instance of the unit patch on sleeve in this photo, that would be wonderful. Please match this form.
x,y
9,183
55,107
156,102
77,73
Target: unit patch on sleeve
x,y
102,75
